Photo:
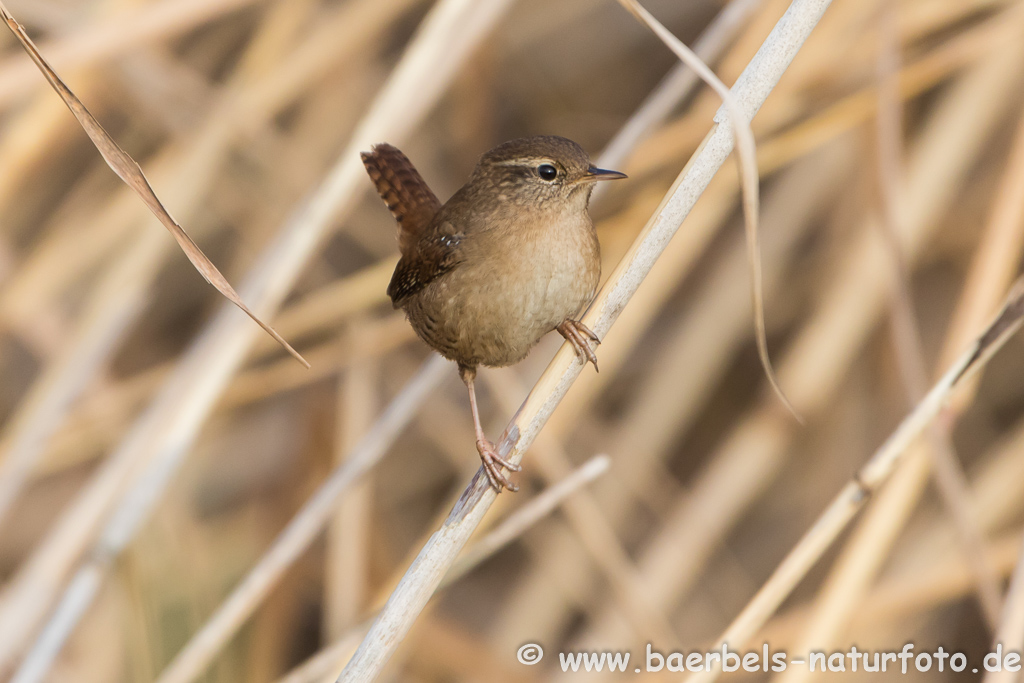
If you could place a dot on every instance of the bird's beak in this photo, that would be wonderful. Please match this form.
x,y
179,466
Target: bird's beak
x,y
594,174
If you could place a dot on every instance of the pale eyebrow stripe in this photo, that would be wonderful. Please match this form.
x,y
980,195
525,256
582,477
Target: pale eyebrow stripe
x,y
530,162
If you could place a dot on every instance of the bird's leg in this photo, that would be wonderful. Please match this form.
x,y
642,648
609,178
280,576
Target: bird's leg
x,y
492,461
580,336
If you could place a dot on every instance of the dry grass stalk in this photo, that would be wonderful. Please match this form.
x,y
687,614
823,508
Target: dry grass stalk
x,y
996,506
430,565
869,478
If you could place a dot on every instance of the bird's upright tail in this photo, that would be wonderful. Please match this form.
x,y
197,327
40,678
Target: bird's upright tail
x,y
406,194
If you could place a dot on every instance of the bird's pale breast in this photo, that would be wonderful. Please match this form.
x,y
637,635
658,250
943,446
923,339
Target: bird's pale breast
x,y
513,287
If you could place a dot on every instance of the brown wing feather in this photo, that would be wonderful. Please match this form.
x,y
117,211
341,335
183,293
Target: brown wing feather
x,y
434,254
407,195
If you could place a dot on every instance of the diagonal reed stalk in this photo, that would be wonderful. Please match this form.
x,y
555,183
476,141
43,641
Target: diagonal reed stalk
x,y
433,561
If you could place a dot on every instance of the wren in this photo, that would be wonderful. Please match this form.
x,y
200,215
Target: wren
x,y
511,256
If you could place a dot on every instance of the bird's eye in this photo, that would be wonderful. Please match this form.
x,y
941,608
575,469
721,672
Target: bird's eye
x,y
547,172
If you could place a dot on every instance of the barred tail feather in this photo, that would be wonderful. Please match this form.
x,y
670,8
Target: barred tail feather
x,y
406,194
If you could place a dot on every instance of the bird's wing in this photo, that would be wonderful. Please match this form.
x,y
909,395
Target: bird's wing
x,y
435,253
407,195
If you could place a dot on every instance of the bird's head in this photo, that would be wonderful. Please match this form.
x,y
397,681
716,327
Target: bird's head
x,y
542,168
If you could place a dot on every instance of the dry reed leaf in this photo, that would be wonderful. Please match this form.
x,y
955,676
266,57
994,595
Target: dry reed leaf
x,y
131,173
750,181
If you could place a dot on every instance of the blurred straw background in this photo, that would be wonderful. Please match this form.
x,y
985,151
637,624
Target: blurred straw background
x,y
153,444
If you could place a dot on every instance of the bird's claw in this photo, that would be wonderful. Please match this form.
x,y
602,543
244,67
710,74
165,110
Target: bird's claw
x,y
579,335
492,466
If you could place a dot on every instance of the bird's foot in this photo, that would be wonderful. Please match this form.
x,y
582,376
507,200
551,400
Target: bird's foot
x,y
580,336
493,463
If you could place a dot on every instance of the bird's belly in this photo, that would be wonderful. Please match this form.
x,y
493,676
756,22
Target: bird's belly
x,y
493,313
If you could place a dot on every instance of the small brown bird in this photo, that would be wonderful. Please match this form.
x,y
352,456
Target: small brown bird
x,y
510,257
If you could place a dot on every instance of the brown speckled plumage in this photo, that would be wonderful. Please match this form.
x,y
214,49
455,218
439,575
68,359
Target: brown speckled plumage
x,y
510,257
